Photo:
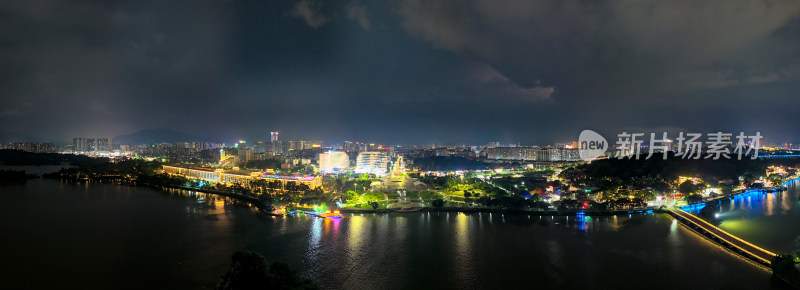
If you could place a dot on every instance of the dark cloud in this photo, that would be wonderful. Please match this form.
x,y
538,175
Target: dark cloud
x,y
406,71
309,12
623,57
612,45
90,68
359,14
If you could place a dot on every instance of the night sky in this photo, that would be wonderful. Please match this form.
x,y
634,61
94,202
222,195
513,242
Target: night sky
x,y
399,72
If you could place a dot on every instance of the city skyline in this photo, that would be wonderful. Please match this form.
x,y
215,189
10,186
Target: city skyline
x,y
400,144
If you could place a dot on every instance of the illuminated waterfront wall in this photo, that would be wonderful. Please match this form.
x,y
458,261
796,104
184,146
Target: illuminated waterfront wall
x,y
239,177
197,173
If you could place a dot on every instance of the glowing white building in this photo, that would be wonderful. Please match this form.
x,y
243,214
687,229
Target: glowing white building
x,y
372,162
329,161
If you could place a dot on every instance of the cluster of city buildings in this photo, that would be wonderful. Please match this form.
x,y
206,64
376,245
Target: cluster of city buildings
x,y
86,146
34,147
277,146
546,154
345,157
495,152
82,145
348,157
373,162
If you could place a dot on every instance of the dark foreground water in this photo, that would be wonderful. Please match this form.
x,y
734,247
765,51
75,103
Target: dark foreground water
x,y
101,236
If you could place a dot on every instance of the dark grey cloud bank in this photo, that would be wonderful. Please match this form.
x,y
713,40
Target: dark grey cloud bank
x,y
405,71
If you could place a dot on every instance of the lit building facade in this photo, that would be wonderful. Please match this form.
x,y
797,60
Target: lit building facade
x,y
512,153
533,154
375,162
242,178
333,160
104,145
557,154
82,145
205,174
245,155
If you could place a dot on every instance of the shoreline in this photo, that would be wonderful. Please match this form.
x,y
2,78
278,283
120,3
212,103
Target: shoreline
x,y
259,204
263,206
571,212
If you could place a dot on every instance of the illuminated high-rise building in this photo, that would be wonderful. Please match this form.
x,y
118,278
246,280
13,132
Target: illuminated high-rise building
x,y
557,154
245,155
89,145
512,153
104,145
372,162
273,136
330,161
82,145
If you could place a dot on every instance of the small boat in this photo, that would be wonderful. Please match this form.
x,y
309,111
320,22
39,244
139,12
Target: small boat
x,y
332,215
328,214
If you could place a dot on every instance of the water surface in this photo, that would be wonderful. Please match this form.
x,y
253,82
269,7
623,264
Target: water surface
x,y
770,220
100,236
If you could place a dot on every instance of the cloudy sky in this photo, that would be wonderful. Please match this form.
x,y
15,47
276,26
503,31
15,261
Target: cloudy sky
x,y
399,71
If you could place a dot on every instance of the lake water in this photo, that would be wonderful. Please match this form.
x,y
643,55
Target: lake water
x,y
101,236
770,220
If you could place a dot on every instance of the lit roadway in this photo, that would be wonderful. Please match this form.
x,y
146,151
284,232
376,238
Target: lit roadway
x,y
745,248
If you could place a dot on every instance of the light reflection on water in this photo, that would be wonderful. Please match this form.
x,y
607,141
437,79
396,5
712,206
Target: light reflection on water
x,y
314,239
355,237
151,232
461,250
770,220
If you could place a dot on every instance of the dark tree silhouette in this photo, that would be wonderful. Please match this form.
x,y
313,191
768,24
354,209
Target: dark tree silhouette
x,y
251,271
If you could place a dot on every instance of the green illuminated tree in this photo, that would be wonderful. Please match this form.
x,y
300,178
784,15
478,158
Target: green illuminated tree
x,y
429,195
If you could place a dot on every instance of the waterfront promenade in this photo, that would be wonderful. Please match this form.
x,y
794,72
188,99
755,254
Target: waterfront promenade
x,y
746,249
